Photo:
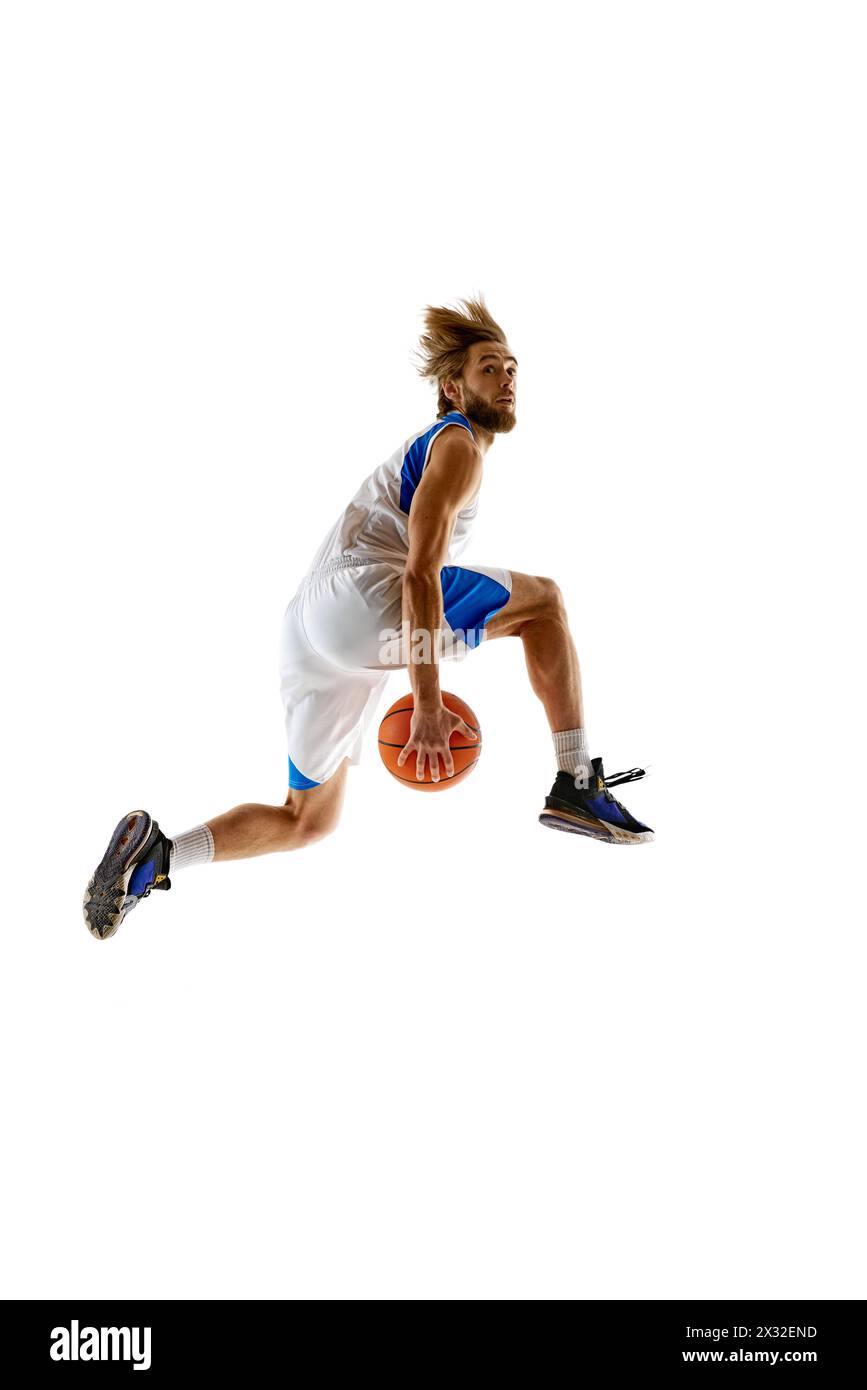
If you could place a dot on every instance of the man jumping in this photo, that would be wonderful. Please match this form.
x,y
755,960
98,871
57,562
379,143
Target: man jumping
x,y
387,566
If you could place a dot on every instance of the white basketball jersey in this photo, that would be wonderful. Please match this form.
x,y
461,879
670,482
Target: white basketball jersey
x,y
375,525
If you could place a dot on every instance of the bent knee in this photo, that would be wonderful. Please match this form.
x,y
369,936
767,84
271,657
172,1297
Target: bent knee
x,y
550,596
309,827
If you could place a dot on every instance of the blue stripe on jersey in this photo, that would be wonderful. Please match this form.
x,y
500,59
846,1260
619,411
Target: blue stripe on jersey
x,y
416,455
469,600
298,781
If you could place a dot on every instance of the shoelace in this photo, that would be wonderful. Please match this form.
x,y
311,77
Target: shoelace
x,y
633,775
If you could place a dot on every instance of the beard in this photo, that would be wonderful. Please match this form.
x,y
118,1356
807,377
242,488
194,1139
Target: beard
x,y
499,419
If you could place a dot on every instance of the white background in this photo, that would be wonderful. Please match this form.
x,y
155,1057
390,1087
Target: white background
x,y
444,1053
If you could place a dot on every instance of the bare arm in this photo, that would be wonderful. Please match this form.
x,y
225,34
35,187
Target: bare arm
x,y
451,478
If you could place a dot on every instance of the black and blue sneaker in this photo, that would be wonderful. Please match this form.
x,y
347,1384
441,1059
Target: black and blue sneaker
x,y
593,810
136,861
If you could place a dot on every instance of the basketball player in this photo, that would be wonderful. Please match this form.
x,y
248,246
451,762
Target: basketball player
x,y
388,566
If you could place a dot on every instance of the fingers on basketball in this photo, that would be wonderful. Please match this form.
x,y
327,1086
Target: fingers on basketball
x,y
458,756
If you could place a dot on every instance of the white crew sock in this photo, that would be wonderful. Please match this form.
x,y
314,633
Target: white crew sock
x,y
193,847
570,745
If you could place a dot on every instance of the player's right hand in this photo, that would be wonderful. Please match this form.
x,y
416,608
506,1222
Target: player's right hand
x,y
429,734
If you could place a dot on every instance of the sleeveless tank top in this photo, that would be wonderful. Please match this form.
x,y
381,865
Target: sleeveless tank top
x,y
375,525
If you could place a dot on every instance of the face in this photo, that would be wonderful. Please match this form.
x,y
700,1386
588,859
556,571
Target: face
x,y
485,391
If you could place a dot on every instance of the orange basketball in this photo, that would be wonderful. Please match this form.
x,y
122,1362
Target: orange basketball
x,y
394,735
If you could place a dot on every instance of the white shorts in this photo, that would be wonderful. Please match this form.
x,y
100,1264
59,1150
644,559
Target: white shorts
x,y
340,639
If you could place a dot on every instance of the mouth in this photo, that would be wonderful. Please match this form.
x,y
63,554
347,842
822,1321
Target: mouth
x,y
505,400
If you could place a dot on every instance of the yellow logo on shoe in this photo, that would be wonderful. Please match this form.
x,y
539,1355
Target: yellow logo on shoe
x,y
159,878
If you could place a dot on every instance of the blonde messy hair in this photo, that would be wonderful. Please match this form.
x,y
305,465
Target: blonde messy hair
x,y
449,335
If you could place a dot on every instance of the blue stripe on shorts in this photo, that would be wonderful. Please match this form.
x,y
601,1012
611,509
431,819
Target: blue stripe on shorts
x,y
297,781
469,600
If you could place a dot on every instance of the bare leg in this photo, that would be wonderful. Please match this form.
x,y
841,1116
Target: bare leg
x,y
307,816
536,613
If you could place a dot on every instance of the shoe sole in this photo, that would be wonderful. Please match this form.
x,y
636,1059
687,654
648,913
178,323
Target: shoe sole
x,y
607,834
103,901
